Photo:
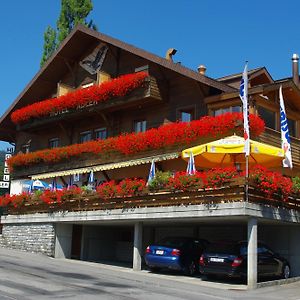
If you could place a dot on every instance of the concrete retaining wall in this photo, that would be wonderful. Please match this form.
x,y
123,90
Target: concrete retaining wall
x,y
37,238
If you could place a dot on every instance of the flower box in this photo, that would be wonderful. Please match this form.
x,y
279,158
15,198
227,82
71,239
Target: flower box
x,y
175,136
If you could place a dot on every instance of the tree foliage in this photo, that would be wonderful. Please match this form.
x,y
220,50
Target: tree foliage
x,y
49,44
73,12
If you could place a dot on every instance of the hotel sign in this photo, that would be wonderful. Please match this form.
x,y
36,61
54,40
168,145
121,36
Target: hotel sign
x,y
4,184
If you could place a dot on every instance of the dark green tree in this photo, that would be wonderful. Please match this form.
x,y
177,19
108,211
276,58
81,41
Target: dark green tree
x,y
49,44
73,12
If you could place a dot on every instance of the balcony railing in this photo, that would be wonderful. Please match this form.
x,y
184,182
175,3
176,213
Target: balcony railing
x,y
273,137
89,160
146,94
230,193
170,138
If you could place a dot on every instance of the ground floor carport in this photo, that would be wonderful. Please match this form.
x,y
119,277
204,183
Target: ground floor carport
x,y
119,239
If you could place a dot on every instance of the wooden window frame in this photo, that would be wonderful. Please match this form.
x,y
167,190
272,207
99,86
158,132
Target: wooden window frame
x,y
53,140
101,129
273,110
85,133
186,109
139,121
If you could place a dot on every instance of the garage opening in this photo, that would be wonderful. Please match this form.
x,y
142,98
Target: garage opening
x,y
76,241
108,244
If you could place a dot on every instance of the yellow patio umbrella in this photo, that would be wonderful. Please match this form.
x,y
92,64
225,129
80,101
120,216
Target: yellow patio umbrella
x,y
229,151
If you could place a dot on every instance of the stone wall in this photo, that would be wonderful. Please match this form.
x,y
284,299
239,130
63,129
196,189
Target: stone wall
x,y
38,237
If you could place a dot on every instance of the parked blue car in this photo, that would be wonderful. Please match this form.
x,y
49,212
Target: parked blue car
x,y
175,253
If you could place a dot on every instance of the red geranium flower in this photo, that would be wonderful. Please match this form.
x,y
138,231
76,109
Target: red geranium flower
x,y
117,87
181,133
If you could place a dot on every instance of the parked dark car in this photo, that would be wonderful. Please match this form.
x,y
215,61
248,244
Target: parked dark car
x,y
230,259
175,253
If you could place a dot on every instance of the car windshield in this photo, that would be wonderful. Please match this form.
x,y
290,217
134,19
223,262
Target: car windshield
x,y
228,248
172,242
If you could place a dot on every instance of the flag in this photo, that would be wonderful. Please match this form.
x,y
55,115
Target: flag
x,y
191,169
151,172
54,184
76,177
70,183
30,188
244,98
91,177
285,137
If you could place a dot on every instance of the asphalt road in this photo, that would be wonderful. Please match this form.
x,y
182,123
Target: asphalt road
x,y
32,276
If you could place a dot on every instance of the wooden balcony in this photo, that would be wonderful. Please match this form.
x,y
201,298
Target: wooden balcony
x,y
232,192
148,94
88,160
273,137
270,136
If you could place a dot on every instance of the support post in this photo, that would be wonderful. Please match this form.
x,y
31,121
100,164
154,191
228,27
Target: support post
x,y
252,254
137,246
63,240
82,243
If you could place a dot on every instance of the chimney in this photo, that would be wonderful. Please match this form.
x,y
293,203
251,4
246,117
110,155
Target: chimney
x,y
295,64
170,52
201,69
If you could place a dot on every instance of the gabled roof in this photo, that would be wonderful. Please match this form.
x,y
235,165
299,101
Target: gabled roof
x,y
251,74
291,93
72,48
238,75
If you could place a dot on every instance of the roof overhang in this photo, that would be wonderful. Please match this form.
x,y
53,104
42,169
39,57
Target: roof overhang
x,y
71,50
290,90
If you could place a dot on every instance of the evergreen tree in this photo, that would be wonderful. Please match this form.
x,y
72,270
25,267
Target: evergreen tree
x,y
49,44
73,12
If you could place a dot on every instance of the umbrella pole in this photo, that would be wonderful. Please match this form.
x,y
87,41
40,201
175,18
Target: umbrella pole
x,y
247,177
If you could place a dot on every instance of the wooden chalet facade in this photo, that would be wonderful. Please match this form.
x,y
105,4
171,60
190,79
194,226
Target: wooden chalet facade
x,y
169,93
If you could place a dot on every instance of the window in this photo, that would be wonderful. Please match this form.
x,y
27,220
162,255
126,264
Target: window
x,y
268,116
187,115
101,133
140,126
25,148
292,127
53,143
85,136
224,110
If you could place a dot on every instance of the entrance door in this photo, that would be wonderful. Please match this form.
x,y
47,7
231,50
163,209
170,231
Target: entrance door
x,y
76,241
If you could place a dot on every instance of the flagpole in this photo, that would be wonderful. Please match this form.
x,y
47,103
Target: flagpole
x,y
247,177
244,99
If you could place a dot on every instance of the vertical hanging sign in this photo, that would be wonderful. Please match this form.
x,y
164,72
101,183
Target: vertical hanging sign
x,y
4,183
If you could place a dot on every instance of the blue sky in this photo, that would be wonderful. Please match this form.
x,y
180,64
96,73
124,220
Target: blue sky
x,y
219,34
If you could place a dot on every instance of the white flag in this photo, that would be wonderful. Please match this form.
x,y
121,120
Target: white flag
x,y
244,98
191,169
285,137
151,172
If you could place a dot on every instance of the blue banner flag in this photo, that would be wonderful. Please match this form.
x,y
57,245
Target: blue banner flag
x,y
285,137
244,98
151,172
191,169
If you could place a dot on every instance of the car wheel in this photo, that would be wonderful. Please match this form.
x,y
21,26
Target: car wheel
x,y
286,272
190,268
